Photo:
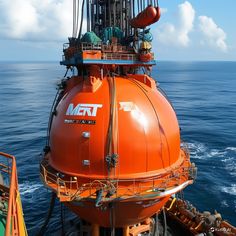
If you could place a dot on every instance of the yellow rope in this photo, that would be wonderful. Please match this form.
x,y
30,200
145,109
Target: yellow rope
x,y
171,205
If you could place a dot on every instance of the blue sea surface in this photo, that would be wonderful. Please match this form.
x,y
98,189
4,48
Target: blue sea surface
x,y
204,97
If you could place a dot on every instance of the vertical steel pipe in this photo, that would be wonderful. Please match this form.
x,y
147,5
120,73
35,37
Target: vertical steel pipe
x,y
88,15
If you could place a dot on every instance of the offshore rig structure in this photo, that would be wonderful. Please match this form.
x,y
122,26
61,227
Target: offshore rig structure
x,y
113,36
114,153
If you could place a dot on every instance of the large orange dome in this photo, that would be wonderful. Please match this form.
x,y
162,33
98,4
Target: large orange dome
x,y
146,138
114,148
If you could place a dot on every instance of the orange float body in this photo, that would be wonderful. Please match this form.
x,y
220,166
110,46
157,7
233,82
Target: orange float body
x,y
148,16
114,149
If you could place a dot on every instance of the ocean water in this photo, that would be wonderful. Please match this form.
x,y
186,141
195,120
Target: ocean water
x,y
204,97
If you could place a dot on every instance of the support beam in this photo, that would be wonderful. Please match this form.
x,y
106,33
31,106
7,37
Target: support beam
x,y
95,230
126,231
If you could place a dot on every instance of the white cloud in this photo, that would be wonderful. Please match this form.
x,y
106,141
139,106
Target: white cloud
x,y
213,34
178,34
36,19
21,19
163,10
186,19
51,20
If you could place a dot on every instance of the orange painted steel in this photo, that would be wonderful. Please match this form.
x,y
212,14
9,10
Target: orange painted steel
x,y
15,224
123,213
115,149
148,16
146,227
145,57
95,230
91,54
154,132
158,15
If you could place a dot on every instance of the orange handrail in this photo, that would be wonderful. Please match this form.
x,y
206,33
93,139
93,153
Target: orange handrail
x,y
15,222
70,187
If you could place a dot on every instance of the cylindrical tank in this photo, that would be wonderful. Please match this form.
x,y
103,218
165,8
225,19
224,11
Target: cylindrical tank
x,y
148,16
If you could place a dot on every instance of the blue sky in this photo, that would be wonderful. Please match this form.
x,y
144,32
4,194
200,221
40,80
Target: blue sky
x,y
32,30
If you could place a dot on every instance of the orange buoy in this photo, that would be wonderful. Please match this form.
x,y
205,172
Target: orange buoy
x,y
147,17
158,15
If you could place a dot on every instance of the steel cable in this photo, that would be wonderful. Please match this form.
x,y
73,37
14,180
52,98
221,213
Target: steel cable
x,y
50,211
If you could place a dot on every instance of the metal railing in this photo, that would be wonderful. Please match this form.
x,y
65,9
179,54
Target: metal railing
x,y
71,187
83,46
119,56
90,46
62,187
110,52
117,48
99,46
14,222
